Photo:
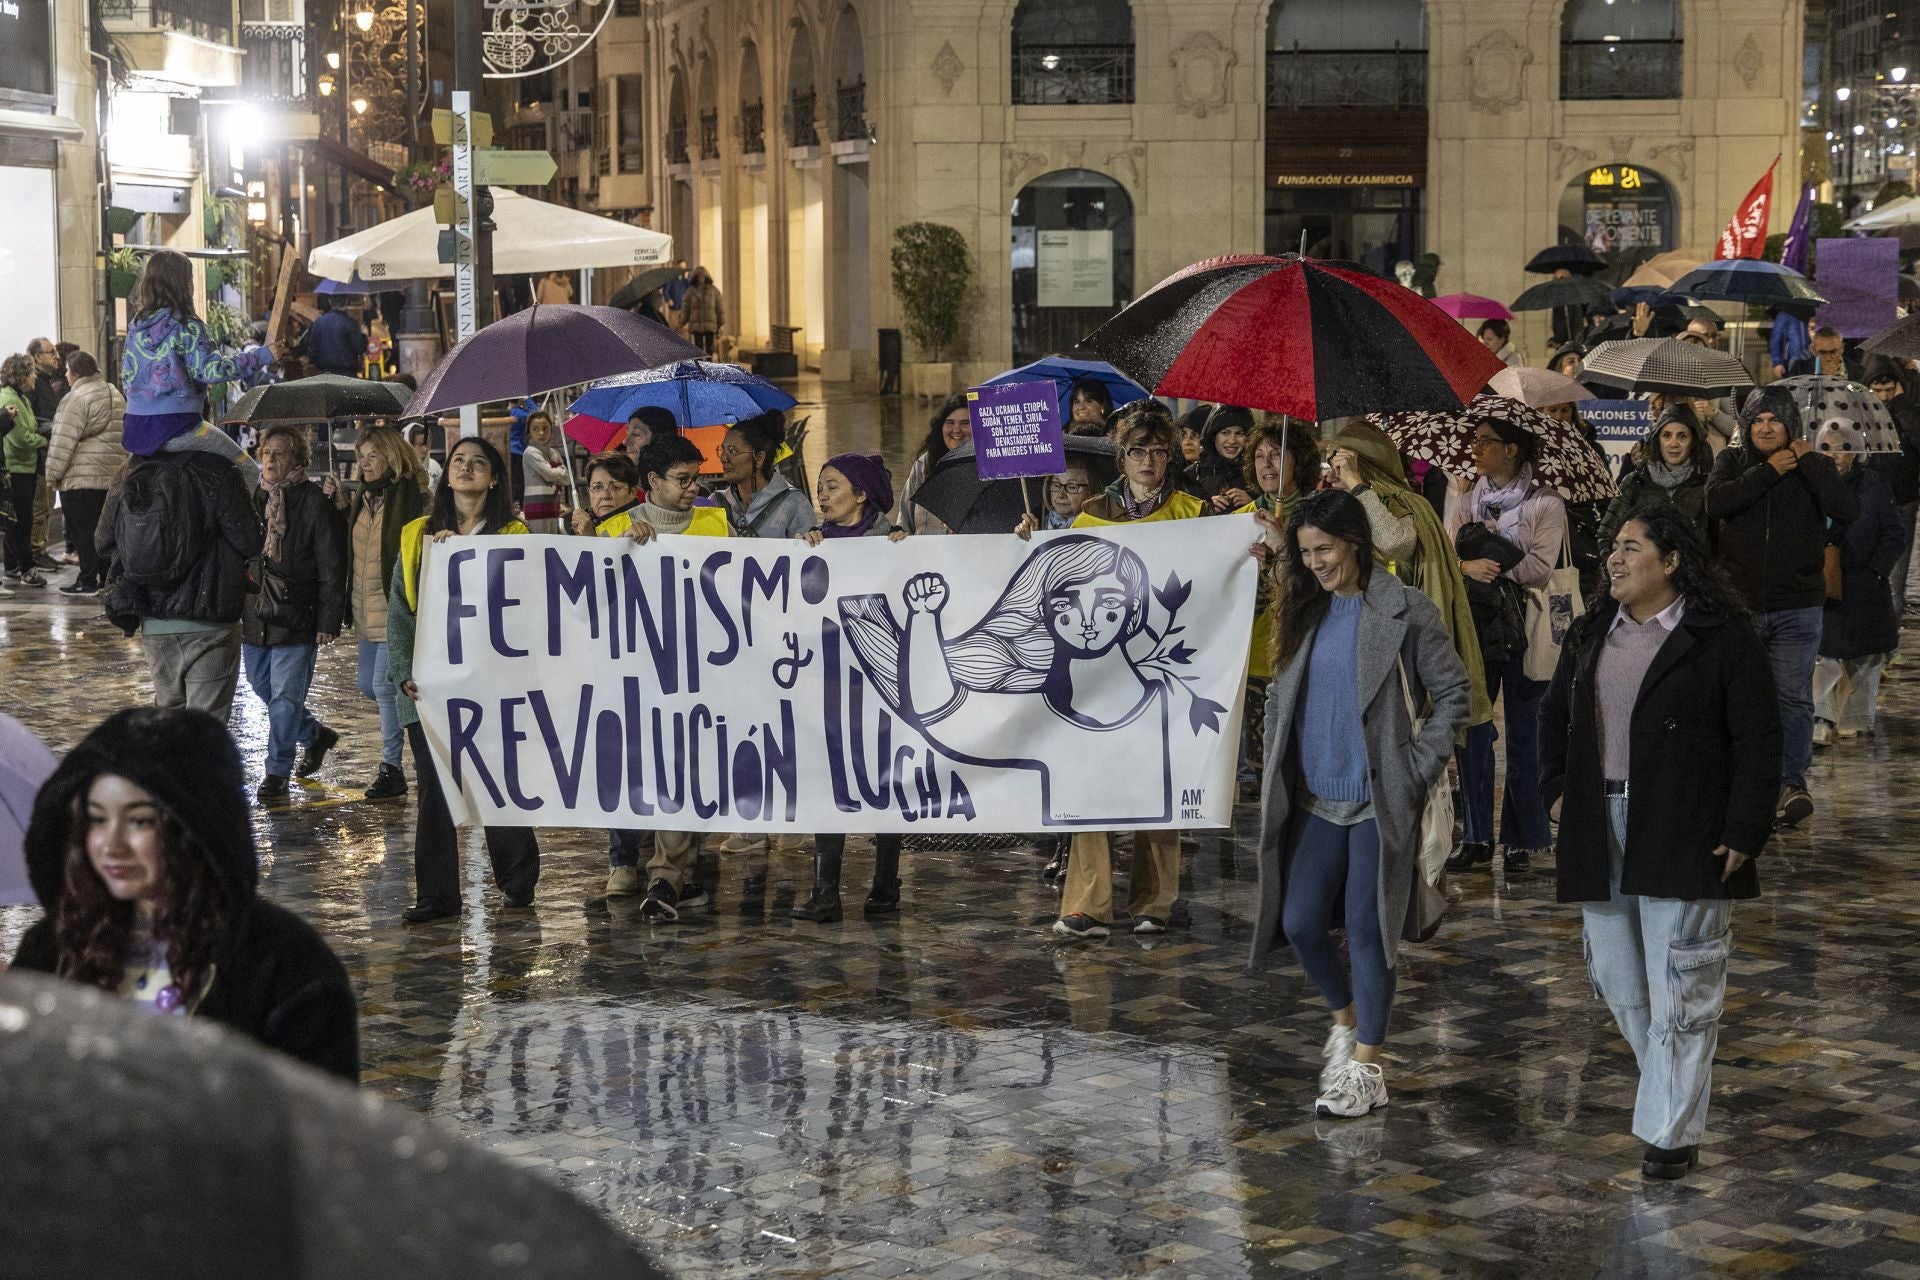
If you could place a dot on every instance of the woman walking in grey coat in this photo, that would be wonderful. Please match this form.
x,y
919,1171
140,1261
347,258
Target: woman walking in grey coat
x,y
1341,819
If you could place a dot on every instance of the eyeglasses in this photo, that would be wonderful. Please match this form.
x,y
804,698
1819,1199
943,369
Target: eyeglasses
x,y
730,452
681,479
1487,442
1072,486
1137,454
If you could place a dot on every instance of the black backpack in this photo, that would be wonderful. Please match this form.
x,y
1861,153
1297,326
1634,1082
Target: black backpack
x,y
160,535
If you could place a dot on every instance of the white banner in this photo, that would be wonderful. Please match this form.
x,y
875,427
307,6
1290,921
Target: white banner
x,y
1086,679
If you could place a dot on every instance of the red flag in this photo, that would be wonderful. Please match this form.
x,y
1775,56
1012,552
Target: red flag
x,y
1746,235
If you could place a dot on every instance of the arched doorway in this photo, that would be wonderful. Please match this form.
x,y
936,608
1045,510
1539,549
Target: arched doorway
x,y
683,215
1072,259
844,127
706,179
806,202
1624,212
755,303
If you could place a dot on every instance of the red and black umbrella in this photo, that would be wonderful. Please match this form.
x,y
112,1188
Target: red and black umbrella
x,y
1315,340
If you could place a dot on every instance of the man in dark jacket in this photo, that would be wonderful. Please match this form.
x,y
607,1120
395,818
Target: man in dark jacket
x,y
1900,470
1829,356
298,604
335,343
1769,500
49,389
269,975
189,629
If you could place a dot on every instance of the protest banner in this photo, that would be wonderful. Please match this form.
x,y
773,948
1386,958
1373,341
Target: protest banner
x,y
1083,680
1617,424
1860,277
1016,430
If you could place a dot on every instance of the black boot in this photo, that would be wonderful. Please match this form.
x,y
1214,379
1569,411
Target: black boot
x,y
1469,856
389,784
824,906
885,896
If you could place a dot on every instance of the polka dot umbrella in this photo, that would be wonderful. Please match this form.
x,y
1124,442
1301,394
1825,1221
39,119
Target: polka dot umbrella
x,y
1563,460
1826,401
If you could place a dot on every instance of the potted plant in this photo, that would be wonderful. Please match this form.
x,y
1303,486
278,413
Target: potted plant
x,y
123,268
930,276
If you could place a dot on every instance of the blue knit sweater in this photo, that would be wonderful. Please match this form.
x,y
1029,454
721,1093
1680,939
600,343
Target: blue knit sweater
x,y
1333,747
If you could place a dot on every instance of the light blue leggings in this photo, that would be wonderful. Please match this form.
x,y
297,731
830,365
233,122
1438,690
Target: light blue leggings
x,y
1328,858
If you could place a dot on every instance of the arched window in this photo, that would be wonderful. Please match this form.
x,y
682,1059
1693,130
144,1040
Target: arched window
x,y
1066,226
753,108
1072,52
709,112
1347,53
849,78
677,119
1620,49
803,101
1623,212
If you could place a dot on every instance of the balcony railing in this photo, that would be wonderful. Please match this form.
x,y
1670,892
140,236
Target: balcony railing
x,y
276,66
207,19
801,131
850,122
677,142
1595,69
570,130
753,129
1067,74
1346,78
709,135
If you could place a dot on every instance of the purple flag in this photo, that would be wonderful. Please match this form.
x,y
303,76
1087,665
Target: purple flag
x,y
1794,252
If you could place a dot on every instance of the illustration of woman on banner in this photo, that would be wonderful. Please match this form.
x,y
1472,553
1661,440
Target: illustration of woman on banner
x,y
1062,630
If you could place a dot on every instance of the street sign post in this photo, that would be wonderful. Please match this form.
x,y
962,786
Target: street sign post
x,y
513,168
466,211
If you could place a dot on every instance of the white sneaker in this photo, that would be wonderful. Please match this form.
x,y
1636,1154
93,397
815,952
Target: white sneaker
x,y
1357,1089
1822,733
1336,1053
623,882
745,842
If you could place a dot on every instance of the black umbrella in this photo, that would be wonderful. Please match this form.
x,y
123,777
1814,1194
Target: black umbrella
x,y
1576,258
1572,291
316,399
967,504
1901,339
643,284
228,1161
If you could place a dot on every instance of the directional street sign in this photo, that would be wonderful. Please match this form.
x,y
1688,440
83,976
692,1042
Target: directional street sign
x,y
513,168
443,128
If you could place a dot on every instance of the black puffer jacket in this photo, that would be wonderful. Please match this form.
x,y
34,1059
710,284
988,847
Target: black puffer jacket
x,y
1771,529
272,976
215,591
304,592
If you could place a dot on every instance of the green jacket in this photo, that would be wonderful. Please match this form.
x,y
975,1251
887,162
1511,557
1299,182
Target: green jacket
x,y
23,441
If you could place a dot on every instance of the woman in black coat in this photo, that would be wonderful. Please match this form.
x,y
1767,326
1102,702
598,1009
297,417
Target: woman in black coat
x,y
1660,756
1859,630
298,602
141,851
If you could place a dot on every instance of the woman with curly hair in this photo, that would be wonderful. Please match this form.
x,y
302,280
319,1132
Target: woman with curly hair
x,y
952,426
1663,692
141,851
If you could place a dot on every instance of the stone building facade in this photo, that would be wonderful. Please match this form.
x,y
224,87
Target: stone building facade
x,y
1088,148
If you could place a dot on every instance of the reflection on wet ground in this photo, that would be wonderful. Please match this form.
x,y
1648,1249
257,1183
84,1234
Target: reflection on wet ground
x,y
949,1094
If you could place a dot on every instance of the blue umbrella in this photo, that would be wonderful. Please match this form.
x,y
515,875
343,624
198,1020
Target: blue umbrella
x,y
1063,373
1751,280
699,393
360,288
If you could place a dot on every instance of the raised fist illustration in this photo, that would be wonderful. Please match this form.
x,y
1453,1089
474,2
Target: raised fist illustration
x,y
926,593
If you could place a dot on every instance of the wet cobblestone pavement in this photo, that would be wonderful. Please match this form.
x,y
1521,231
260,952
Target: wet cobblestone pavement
x,y
948,1093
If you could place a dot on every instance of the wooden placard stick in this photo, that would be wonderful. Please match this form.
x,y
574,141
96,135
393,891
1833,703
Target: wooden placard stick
x,y
282,296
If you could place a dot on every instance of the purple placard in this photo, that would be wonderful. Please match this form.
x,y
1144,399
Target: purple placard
x,y
1860,277
1016,430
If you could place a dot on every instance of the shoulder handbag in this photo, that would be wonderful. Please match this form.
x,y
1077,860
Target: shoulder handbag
x,y
1436,832
1550,611
1831,572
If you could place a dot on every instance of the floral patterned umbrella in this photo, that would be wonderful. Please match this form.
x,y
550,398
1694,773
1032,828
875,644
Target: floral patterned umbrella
x,y
1445,440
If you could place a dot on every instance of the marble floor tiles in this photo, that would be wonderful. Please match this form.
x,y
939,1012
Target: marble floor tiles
x,y
949,1093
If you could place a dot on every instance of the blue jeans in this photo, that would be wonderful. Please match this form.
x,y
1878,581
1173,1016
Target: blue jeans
x,y
1661,966
1792,638
374,684
625,847
1330,863
1523,815
280,675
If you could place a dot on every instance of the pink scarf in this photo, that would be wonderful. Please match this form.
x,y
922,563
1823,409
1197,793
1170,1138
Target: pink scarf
x,y
277,511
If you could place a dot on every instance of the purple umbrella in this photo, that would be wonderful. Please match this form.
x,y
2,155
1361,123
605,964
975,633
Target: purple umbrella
x,y
25,763
542,349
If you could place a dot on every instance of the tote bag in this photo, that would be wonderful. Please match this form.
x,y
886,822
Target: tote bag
x,y
1436,834
1550,611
